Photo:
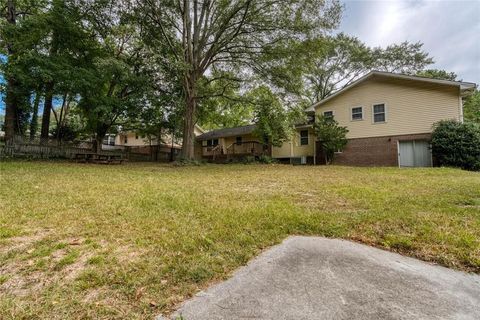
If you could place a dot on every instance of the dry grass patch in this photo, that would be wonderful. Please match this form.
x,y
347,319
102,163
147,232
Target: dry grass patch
x,y
133,241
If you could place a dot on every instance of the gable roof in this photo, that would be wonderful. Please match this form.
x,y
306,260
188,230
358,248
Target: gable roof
x,y
463,86
227,132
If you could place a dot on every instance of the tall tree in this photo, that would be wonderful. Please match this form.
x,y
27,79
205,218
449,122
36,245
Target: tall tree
x,y
226,33
437,74
11,101
334,62
15,13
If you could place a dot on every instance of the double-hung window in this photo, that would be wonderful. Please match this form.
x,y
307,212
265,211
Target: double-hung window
x,y
304,138
379,113
357,113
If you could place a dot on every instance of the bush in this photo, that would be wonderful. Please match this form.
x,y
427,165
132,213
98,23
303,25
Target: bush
x,y
181,162
248,160
266,159
332,137
456,144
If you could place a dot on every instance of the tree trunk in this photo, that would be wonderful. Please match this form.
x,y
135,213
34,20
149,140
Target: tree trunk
x,y
34,121
98,143
188,126
10,110
47,109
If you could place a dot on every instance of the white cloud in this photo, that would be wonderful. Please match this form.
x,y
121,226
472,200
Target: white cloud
x,y
450,30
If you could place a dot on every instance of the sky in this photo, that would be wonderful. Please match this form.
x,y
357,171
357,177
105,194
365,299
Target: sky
x,y
449,29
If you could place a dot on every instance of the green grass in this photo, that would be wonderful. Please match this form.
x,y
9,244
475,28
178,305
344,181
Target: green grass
x,y
132,241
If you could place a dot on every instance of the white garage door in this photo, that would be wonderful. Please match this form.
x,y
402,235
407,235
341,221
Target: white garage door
x,y
414,153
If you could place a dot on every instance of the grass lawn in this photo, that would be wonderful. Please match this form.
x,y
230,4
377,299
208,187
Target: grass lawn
x,y
132,241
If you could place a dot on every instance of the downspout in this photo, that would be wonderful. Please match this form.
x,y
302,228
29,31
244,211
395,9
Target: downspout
x,y
291,147
460,105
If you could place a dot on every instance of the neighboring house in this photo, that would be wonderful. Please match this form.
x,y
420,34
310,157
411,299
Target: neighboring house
x,y
389,116
135,140
230,142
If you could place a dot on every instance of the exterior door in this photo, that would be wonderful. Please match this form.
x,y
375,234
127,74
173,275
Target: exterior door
x,y
414,153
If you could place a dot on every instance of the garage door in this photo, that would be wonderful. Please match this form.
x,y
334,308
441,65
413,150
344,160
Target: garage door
x,y
414,153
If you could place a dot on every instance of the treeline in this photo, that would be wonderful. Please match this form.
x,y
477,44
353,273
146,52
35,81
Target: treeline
x,y
95,66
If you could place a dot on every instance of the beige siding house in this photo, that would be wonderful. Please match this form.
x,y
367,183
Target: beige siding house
x,y
229,143
300,149
389,116
134,139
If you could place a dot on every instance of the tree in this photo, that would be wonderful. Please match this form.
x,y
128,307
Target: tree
x,y
274,123
16,98
228,34
405,58
332,137
471,108
437,74
224,105
334,62
456,144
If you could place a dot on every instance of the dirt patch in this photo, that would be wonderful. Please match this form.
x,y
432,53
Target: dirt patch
x,y
24,242
127,253
27,275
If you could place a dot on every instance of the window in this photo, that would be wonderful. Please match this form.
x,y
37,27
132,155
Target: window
x,y
212,143
238,140
379,114
328,114
357,113
125,140
304,137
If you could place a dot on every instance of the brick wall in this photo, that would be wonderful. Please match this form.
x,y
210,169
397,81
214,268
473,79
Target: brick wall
x,y
377,151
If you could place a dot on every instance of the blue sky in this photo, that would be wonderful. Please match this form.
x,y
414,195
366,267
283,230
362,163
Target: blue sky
x,y
450,30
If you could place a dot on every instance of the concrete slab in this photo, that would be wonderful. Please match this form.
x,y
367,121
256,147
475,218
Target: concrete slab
x,y
318,278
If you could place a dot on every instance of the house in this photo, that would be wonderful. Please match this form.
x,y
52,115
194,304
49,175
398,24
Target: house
x,y
140,148
228,143
389,116
133,139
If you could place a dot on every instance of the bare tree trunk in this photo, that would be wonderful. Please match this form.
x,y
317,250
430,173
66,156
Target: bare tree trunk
x,y
34,121
47,109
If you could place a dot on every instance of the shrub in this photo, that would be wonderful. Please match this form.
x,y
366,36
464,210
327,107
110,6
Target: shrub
x,y
332,137
248,160
180,162
266,159
456,144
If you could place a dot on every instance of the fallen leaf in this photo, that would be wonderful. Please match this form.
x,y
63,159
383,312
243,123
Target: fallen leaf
x,y
139,293
75,242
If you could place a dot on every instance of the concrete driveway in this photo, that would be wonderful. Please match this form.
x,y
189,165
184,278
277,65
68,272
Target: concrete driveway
x,y
318,278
